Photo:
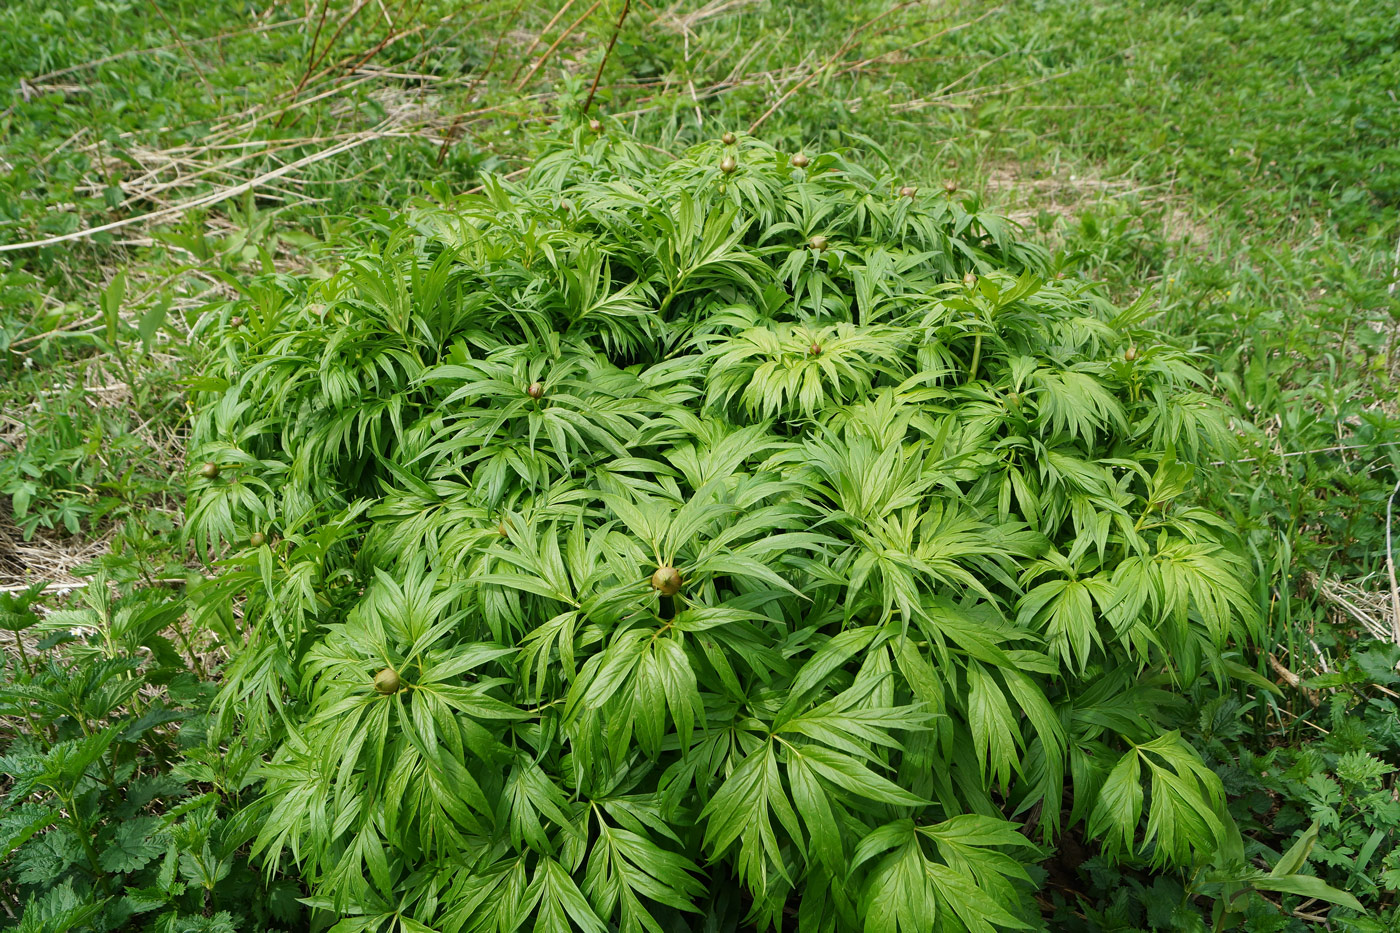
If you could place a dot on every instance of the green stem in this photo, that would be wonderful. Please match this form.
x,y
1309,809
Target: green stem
x,y
23,654
189,650
84,835
77,714
976,358
125,367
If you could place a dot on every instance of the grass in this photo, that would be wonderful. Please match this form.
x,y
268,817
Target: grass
x,y
1233,164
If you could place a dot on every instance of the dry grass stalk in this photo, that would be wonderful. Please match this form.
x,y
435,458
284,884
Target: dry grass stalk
x,y
549,52
1363,602
1291,679
50,557
1390,566
207,200
233,160
622,17
539,37
685,23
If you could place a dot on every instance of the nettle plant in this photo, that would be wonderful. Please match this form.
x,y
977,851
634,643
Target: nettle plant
x,y
113,810
651,526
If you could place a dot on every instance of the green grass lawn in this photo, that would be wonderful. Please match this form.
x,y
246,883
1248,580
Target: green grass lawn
x,y
1234,165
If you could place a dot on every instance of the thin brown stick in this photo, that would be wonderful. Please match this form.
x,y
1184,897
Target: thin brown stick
x,y
626,6
132,53
557,42
845,47
449,136
496,48
330,44
787,96
175,33
1390,566
392,39
225,130
453,132
316,36
395,34
203,201
539,37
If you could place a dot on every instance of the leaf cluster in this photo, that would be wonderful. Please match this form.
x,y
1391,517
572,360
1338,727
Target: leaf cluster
x,y
115,810
644,527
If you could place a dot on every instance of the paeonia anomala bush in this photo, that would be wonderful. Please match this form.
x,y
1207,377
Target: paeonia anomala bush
x,y
654,547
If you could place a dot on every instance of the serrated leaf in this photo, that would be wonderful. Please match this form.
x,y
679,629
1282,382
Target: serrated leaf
x,y
132,846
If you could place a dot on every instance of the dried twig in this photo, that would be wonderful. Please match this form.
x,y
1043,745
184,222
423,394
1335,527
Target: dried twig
x,y
135,53
184,49
330,44
539,37
1287,676
1390,566
316,36
557,42
454,131
393,36
846,46
1292,679
626,6
205,200
1362,600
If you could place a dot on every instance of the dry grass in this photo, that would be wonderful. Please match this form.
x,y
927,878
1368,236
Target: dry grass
x,y
162,185
1023,192
1366,602
49,557
52,557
